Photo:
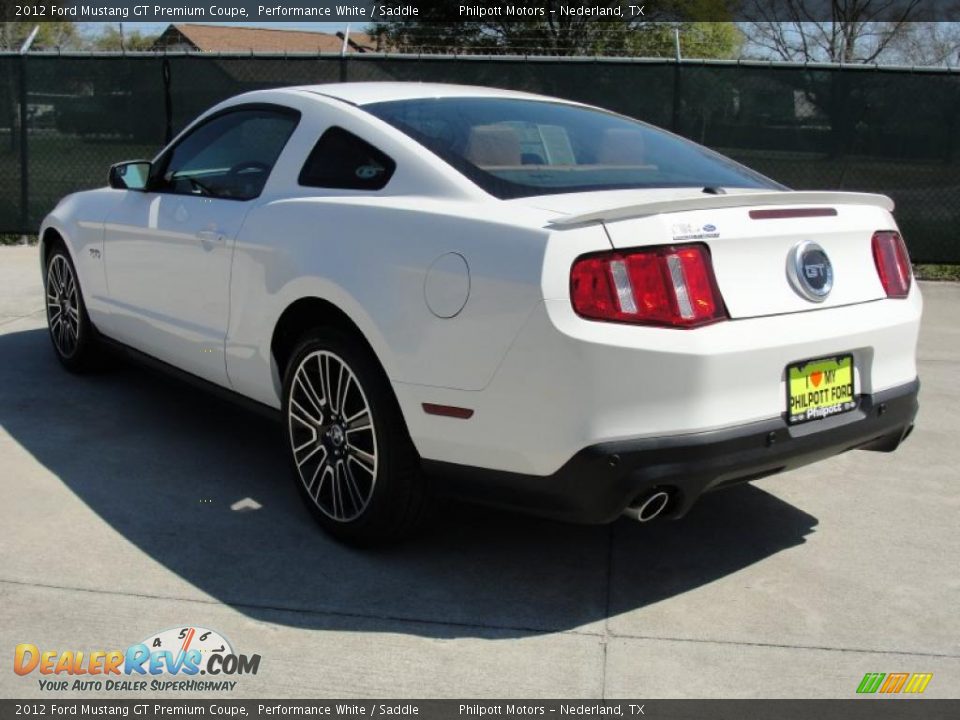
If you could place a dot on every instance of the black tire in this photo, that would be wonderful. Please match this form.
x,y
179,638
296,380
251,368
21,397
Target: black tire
x,y
362,484
73,336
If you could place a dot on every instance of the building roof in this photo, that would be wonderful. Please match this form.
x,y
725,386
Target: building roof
x,y
221,38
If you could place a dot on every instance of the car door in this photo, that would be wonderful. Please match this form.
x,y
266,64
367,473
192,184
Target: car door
x,y
168,249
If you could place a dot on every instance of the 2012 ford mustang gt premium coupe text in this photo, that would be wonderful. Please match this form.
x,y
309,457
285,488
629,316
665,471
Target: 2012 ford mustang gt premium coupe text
x,y
503,297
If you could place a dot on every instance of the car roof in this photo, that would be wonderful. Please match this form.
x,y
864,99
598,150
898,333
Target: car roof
x,y
363,93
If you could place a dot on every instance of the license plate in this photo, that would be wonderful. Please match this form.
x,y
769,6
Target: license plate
x,y
817,389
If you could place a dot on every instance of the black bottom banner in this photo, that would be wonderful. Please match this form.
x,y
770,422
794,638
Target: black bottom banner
x,y
859,709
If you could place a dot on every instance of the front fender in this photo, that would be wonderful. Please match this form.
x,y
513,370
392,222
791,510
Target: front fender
x,y
79,220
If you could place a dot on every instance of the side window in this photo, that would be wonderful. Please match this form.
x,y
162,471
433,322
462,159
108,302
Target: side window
x,y
342,160
230,156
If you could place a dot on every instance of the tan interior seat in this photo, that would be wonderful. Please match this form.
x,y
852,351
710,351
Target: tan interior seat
x,y
620,146
493,145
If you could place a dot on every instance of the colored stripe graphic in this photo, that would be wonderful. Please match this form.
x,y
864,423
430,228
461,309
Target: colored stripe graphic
x,y
918,682
870,682
894,683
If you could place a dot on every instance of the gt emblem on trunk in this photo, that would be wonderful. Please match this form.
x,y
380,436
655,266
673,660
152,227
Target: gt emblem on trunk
x,y
809,271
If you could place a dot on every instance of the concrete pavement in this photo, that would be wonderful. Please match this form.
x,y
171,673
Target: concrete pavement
x,y
116,492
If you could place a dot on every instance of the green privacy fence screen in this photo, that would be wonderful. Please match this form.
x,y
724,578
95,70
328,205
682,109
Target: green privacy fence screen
x,y
65,118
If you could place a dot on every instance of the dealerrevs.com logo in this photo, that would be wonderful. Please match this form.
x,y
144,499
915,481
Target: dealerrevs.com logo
x,y
166,661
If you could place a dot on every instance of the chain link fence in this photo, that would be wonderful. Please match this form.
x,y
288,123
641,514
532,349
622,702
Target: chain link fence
x,y
65,118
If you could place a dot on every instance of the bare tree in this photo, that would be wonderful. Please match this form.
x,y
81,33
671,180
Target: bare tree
x,y
51,35
927,44
839,31
847,31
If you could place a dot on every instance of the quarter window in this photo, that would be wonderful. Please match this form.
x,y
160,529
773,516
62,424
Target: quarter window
x,y
342,160
230,156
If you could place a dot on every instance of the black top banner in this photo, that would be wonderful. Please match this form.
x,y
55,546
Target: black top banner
x,y
484,11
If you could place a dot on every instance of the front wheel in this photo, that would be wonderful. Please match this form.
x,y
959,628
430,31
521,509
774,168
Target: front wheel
x,y
74,339
353,461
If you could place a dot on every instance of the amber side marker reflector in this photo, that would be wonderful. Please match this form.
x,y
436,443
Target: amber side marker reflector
x,y
781,213
448,411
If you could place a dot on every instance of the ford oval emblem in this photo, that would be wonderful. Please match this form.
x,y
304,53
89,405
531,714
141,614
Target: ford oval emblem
x,y
809,271
709,228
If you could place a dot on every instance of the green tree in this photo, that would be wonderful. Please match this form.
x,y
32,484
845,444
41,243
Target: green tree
x,y
710,40
51,36
116,37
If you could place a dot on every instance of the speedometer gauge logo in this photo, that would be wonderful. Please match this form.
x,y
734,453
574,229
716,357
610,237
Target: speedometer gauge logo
x,y
185,639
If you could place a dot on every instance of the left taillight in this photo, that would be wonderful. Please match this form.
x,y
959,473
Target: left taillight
x,y
893,263
671,286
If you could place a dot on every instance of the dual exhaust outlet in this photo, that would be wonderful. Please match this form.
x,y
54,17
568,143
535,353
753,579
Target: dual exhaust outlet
x,y
650,505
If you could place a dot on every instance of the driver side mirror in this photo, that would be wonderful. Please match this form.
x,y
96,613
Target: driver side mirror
x,y
132,175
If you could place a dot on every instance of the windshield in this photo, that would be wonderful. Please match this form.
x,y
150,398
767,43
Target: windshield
x,y
517,148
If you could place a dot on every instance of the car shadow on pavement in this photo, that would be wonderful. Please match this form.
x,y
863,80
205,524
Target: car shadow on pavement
x,y
202,488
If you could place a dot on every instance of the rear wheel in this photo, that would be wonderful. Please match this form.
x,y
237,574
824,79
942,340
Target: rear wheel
x,y
353,461
74,339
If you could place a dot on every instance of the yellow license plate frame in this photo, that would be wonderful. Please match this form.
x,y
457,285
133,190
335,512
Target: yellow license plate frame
x,y
820,388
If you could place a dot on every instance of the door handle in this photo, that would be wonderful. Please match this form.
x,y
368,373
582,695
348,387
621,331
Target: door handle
x,y
209,236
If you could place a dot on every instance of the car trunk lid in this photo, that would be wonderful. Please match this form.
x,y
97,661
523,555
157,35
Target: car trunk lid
x,y
753,238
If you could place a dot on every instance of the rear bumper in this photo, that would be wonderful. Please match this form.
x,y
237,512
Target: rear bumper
x,y
600,481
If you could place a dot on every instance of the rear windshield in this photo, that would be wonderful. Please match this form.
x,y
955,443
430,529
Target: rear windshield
x,y
517,148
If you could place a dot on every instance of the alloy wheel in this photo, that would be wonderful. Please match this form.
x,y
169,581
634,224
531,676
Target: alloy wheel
x,y
63,307
332,437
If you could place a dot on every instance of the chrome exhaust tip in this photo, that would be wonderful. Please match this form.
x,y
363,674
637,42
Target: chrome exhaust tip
x,y
648,506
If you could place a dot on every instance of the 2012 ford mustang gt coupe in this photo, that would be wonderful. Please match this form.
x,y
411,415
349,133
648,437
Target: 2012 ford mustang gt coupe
x,y
503,297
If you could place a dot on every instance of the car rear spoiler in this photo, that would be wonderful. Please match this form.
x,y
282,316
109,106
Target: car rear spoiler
x,y
713,202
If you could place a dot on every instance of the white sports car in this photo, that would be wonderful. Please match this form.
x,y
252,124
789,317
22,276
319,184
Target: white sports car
x,y
504,297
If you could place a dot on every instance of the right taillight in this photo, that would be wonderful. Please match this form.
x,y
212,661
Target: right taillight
x,y
893,263
671,286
